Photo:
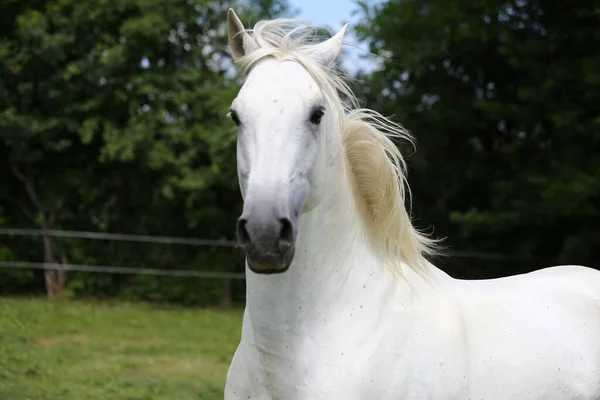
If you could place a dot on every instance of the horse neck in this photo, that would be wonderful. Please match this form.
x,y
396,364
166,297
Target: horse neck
x,y
335,268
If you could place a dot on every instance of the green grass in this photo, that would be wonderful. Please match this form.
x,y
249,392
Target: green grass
x,y
67,350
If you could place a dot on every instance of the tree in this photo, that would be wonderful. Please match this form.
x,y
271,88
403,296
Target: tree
x,y
504,100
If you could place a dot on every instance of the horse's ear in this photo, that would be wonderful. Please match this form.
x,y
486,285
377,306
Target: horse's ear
x,y
326,52
240,42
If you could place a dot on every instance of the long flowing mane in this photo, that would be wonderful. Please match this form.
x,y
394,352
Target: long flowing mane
x,y
376,166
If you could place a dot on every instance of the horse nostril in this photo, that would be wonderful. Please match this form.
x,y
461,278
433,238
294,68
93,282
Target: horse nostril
x,y
286,235
242,233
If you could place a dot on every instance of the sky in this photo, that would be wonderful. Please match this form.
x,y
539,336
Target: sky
x,y
334,13
330,12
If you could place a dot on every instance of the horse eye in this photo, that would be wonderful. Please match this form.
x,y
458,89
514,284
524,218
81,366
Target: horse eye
x,y
316,115
234,117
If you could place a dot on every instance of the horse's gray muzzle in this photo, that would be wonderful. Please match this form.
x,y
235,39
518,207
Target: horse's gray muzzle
x,y
267,236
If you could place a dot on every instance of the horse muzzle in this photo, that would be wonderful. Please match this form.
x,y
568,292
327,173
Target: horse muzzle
x,y
267,236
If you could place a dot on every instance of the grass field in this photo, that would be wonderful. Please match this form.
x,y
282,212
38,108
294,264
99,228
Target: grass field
x,y
66,350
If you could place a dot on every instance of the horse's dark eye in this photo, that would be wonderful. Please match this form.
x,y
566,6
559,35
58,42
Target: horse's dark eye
x,y
234,117
316,115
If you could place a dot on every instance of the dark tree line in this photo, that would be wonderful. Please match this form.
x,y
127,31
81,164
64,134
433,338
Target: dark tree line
x,y
504,100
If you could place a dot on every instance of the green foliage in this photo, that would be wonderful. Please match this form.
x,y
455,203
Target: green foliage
x,y
113,118
74,351
504,99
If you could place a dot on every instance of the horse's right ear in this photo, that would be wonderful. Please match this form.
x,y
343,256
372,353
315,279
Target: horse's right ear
x,y
240,42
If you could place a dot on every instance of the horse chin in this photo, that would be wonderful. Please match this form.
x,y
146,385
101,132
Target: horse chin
x,y
269,265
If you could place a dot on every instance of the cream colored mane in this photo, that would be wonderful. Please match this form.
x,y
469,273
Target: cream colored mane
x,y
377,168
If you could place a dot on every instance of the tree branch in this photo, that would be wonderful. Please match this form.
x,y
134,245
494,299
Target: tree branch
x,y
30,190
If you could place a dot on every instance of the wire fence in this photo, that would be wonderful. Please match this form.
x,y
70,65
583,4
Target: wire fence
x,y
110,269
117,237
121,270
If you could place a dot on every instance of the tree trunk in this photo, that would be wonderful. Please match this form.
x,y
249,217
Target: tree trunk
x,y
48,259
62,276
55,279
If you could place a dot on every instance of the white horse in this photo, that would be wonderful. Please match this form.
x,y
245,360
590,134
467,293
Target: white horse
x,y
341,302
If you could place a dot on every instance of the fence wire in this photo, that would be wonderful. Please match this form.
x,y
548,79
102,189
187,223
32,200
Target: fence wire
x,y
117,237
203,242
169,240
122,270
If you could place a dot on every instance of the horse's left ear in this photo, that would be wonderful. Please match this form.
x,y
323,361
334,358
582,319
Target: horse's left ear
x,y
240,42
326,52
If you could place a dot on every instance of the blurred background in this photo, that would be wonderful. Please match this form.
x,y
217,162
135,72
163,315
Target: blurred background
x,y
117,168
